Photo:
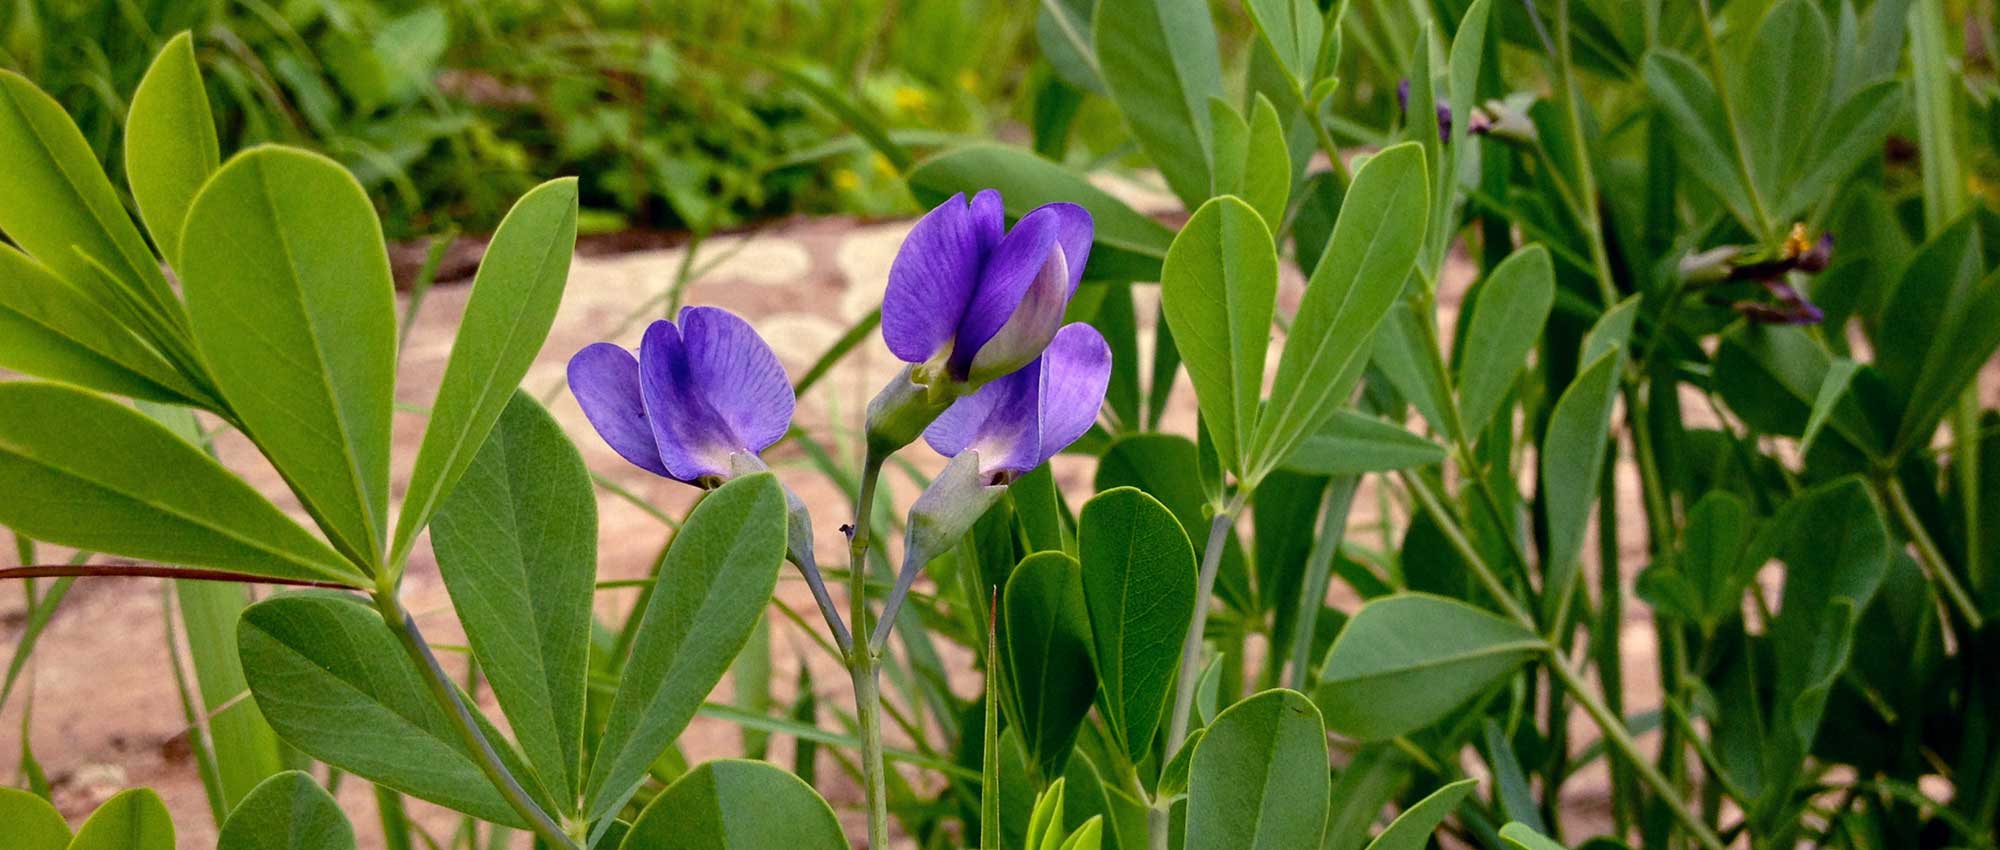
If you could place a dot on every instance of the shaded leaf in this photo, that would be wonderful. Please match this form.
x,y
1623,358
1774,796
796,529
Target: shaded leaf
x,y
735,804
170,143
1048,638
289,811
1407,660
1138,587
1259,778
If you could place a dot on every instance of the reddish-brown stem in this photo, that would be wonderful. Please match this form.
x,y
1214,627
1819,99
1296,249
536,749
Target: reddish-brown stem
x,y
138,570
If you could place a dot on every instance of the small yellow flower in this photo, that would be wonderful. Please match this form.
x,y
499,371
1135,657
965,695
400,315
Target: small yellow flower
x,y
968,79
846,180
910,99
883,166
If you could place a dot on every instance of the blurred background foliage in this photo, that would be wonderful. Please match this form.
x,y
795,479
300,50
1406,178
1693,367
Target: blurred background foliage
x,y
676,114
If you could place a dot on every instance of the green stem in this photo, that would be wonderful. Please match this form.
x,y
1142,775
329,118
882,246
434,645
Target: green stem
x,y
1929,556
1339,501
446,693
1184,687
861,659
1613,728
1621,740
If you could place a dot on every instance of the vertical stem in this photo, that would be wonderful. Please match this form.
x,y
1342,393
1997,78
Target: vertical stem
x,y
446,693
1620,740
861,661
1319,563
1184,686
1929,557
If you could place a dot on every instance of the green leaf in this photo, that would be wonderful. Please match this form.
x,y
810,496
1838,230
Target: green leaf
x,y
1512,306
1522,837
1129,244
735,804
93,474
516,543
1787,99
1412,829
1173,783
1407,660
1701,129
134,819
714,584
1832,389
32,824
1259,779
1230,141
1360,275
1168,467
1581,425
50,329
1139,587
1218,290
1267,170
1063,29
1351,443
289,811
1370,779
170,144
1160,61
1414,366
1292,29
1049,671
329,676
513,303
1771,375
1853,134
288,287
57,205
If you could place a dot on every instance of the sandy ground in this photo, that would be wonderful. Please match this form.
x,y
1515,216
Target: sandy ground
x,y
105,712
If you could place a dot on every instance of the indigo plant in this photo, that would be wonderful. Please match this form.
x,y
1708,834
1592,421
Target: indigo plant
x,y
1586,448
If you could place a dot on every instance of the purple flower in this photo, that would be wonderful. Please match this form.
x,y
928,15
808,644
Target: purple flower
x,y
1018,422
980,300
698,393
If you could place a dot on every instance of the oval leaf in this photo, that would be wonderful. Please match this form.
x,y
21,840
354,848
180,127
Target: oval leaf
x,y
1138,587
331,679
1405,661
51,330
32,824
735,804
516,543
289,811
716,579
1513,304
513,303
134,819
1160,61
1218,290
288,287
1048,656
90,473
1259,779
170,144
57,205
1352,443
1360,275
1581,425
1412,829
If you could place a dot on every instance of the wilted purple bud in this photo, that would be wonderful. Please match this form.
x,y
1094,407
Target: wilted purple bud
x,y
1443,109
698,392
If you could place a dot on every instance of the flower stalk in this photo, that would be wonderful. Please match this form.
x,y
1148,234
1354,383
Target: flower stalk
x,y
1157,819
862,657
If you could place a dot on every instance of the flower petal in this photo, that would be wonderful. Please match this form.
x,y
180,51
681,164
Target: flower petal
x,y
998,420
1075,371
1034,323
693,439
934,274
605,380
739,375
1012,269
